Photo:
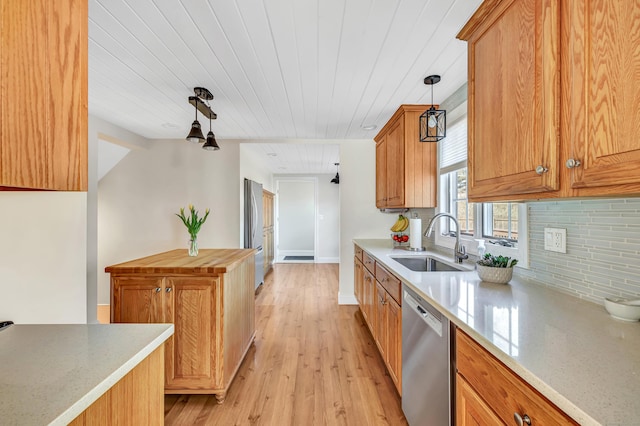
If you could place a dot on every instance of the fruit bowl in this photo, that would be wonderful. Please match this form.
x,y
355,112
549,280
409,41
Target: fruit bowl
x,y
400,239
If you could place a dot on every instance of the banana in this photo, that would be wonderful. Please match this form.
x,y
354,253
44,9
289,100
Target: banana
x,y
401,224
405,223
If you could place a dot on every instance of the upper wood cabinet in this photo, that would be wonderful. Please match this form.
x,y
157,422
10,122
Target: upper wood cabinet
x,y
405,167
603,95
554,104
513,103
43,94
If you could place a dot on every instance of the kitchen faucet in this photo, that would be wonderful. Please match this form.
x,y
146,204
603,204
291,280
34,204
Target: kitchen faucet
x,y
459,252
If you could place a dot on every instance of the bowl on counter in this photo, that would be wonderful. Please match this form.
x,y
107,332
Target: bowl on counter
x,y
621,309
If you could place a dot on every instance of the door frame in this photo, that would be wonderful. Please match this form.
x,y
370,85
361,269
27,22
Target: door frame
x,y
276,221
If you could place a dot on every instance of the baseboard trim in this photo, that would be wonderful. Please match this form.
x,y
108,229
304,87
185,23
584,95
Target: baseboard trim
x,y
347,299
328,260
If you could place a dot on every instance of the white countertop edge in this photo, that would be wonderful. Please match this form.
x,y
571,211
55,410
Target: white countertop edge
x,y
547,391
92,396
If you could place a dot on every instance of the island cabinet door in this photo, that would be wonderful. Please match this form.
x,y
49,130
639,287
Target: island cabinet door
x,y
192,351
137,300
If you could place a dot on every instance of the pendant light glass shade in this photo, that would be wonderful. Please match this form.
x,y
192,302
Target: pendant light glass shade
x,y
433,122
211,144
195,135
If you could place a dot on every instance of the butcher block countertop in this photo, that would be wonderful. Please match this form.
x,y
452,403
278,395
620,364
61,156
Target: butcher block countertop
x,y
207,262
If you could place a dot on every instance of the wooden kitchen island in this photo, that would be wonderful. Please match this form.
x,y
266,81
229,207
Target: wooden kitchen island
x,y
209,299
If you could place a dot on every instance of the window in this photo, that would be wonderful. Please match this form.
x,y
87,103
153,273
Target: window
x,y
502,225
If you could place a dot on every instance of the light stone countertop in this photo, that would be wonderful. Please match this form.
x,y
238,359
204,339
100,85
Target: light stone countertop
x,y
570,350
49,374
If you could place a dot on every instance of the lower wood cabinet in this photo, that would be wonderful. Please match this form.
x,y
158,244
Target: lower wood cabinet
x,y
117,406
378,294
471,410
488,392
213,316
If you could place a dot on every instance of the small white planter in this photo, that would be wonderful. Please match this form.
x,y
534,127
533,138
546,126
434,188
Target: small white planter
x,y
495,275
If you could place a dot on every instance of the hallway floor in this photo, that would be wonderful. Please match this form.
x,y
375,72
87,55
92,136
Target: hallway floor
x,y
313,362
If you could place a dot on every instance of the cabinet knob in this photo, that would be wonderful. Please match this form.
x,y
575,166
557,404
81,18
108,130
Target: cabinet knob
x,y
169,289
158,289
541,169
521,420
572,163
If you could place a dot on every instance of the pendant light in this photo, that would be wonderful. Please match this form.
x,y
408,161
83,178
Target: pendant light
x,y
210,144
195,135
336,179
433,122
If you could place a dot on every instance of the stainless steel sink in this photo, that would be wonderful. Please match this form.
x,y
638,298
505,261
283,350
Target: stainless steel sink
x,y
424,264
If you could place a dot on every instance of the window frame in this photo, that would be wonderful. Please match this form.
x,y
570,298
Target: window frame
x,y
470,242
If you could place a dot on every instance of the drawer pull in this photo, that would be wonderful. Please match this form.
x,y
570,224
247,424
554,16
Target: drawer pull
x,y
521,420
541,169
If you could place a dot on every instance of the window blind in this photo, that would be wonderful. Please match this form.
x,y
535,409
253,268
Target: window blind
x,y
453,148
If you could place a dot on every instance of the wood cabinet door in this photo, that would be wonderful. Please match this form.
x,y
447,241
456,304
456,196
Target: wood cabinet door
x,y
471,410
380,319
514,99
137,300
394,342
357,280
43,94
192,350
395,167
605,96
381,173
368,290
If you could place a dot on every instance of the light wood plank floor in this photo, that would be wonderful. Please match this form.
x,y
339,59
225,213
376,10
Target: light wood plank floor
x,y
313,362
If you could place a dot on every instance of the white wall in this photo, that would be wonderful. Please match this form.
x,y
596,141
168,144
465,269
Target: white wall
x,y
328,216
138,199
359,217
328,220
43,257
296,209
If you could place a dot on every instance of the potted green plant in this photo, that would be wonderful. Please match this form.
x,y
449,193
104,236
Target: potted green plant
x,y
495,269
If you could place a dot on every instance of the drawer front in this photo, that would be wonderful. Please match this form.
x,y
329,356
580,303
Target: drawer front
x,y
368,262
358,252
389,282
504,391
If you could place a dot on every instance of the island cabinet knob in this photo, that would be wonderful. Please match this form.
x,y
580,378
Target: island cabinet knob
x,y
541,169
521,420
572,163
168,289
158,289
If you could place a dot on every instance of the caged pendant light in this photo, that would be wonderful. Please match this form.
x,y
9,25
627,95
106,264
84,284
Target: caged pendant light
x,y
433,122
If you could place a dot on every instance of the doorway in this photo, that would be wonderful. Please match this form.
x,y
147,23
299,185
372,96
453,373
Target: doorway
x,y
296,205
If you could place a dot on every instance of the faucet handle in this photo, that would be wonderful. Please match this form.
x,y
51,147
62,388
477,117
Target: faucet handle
x,y
461,253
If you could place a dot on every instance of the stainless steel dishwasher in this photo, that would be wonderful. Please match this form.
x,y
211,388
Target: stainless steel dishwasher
x,y
426,372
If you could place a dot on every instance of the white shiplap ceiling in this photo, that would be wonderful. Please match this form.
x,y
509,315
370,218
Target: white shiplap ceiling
x,y
297,158
279,69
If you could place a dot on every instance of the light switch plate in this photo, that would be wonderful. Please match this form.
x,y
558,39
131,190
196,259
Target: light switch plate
x,y
555,239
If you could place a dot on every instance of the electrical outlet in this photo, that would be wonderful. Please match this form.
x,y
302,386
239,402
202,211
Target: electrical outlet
x,y
555,239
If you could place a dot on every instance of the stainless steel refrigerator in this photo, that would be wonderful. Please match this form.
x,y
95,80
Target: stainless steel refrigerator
x,y
253,224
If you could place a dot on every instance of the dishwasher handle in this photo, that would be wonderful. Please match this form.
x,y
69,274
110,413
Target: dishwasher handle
x,y
434,323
